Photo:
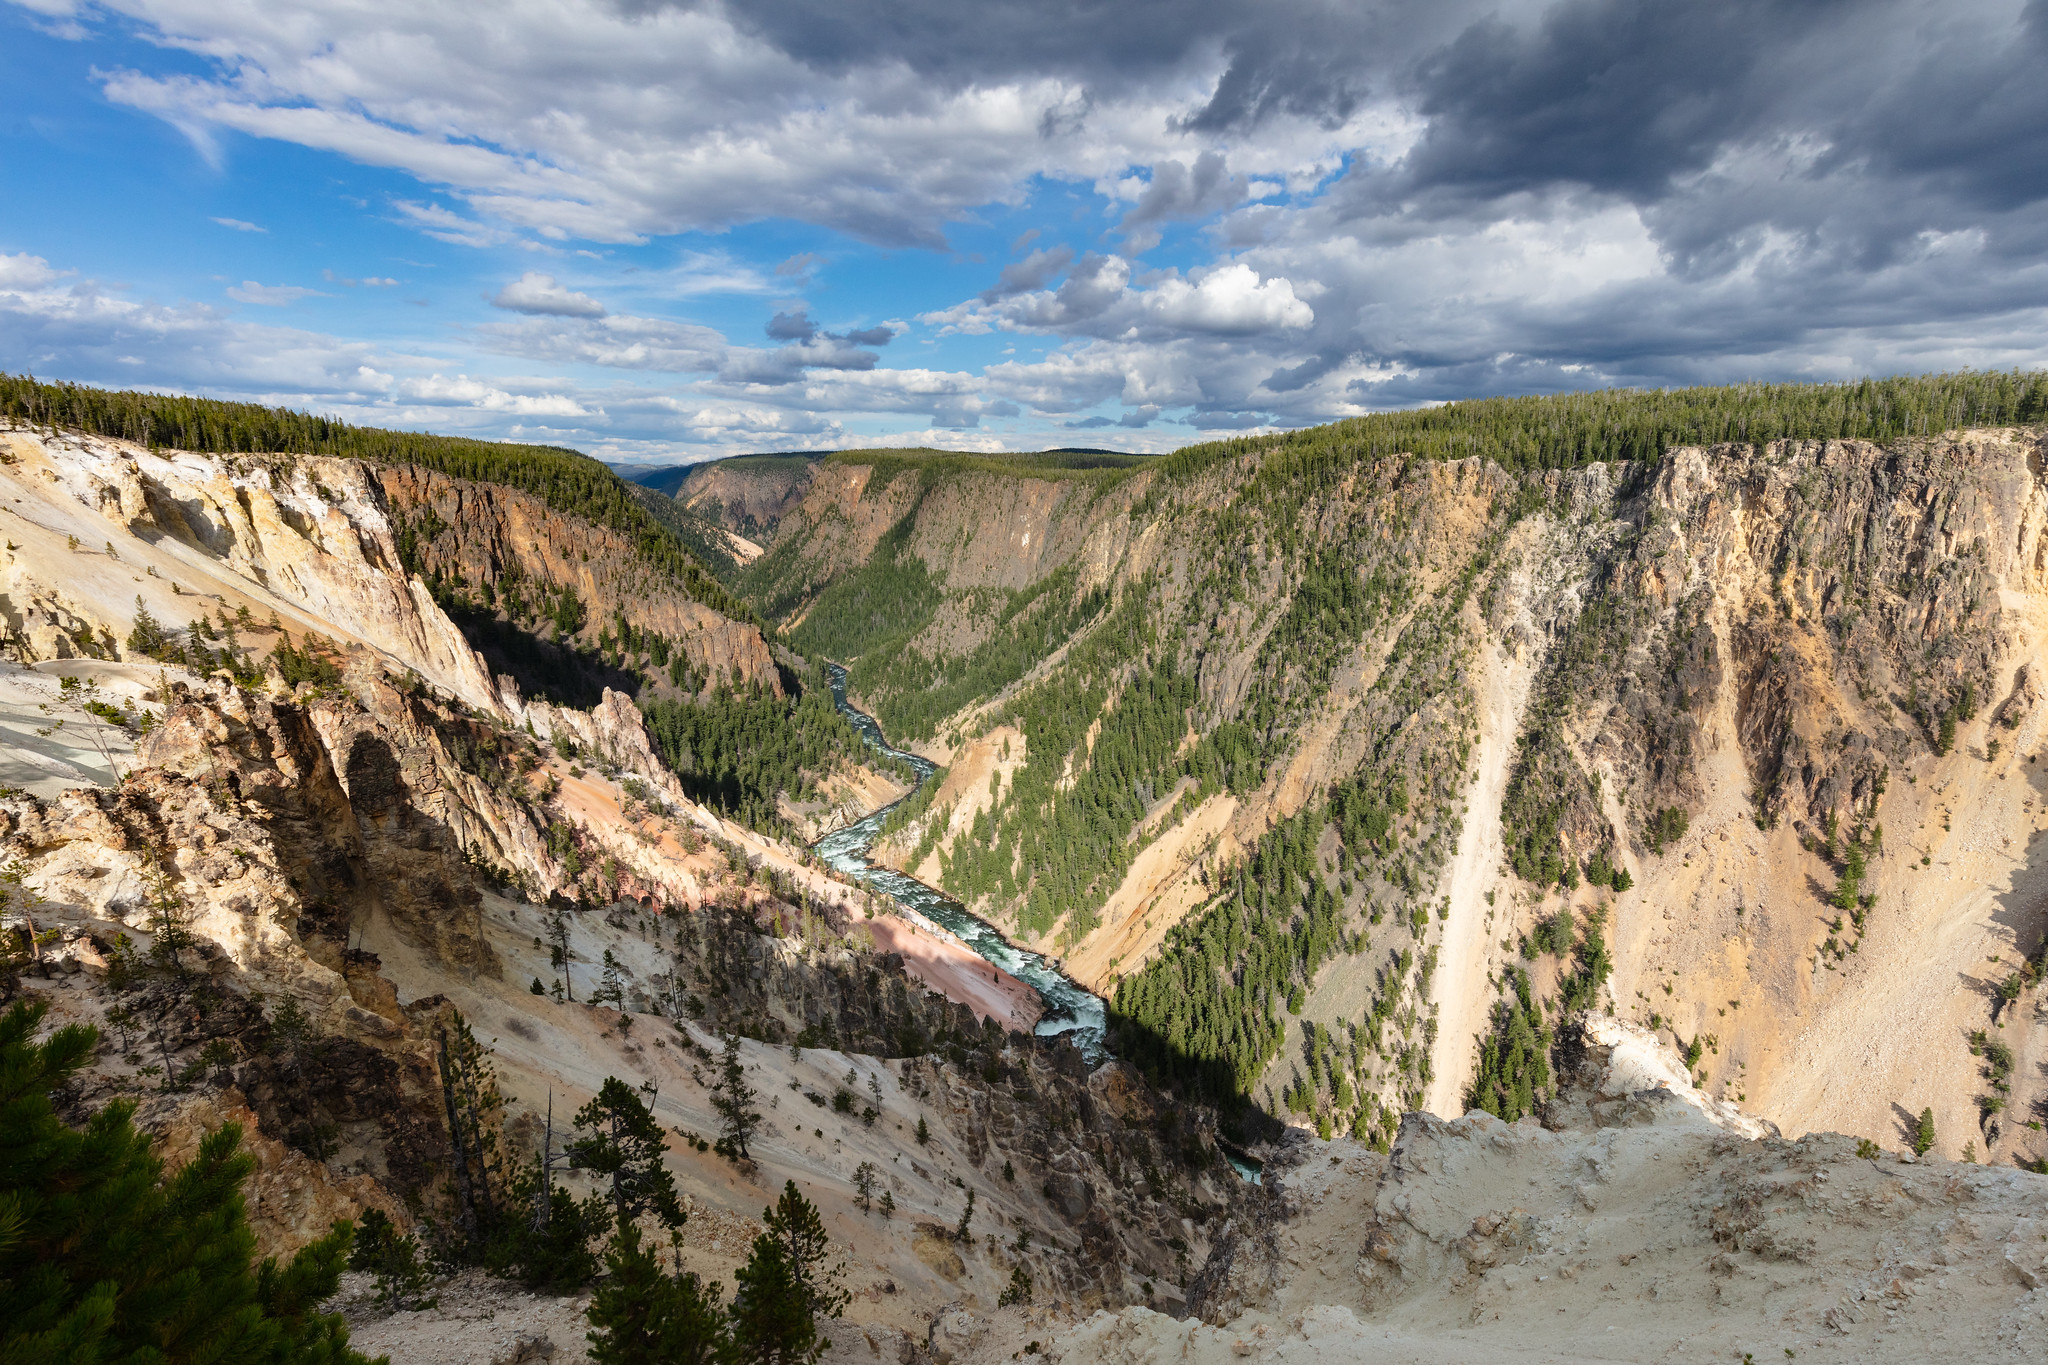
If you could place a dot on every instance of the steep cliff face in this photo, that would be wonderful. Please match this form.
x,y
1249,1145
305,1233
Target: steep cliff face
x,y
206,905
749,495
1821,653
1388,719
512,548
971,529
98,530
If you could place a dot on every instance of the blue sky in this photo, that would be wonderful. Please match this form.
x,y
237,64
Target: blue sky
x,y
663,231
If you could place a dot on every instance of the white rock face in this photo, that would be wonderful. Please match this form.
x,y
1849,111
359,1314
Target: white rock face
x,y
94,526
1638,1061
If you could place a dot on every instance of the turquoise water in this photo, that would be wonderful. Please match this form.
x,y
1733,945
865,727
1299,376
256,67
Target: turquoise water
x,y
1070,1008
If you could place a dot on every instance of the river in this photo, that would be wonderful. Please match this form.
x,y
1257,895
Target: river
x,y
1070,1008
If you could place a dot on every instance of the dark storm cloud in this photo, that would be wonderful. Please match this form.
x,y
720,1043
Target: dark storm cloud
x,y
1864,125
1302,58
1617,95
960,45
796,326
1621,97
1974,119
1279,73
1177,191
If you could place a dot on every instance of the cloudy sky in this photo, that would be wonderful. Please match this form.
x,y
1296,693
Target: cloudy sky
x,y
659,230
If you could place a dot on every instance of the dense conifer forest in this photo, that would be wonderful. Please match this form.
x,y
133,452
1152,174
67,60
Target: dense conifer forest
x,y
737,750
1563,431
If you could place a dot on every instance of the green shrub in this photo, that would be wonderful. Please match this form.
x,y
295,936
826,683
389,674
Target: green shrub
x,y
107,1258
1665,826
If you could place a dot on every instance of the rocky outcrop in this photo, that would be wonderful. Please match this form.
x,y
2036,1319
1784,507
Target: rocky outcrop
x,y
1131,1182
1638,1238
291,1199
206,908
1137,1182
366,804
101,524
1844,597
746,977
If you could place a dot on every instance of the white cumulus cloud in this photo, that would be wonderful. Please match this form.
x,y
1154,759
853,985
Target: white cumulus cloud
x,y
1230,299
23,271
534,292
477,394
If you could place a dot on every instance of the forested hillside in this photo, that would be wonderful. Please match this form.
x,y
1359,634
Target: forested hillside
x,y
858,583
1279,740
1563,431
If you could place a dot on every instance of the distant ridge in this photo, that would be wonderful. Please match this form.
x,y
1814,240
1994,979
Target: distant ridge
x,y
667,478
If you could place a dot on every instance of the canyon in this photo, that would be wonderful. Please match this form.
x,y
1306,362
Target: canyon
x,y
1538,908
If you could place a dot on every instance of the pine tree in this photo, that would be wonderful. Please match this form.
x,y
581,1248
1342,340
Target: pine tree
x,y
613,991
924,1133
795,1223
771,1320
106,1259
549,1251
643,1315
294,1041
1019,1289
149,638
558,943
864,1176
1923,1132
469,1091
21,943
733,1098
394,1258
625,1144
1848,882
960,1234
